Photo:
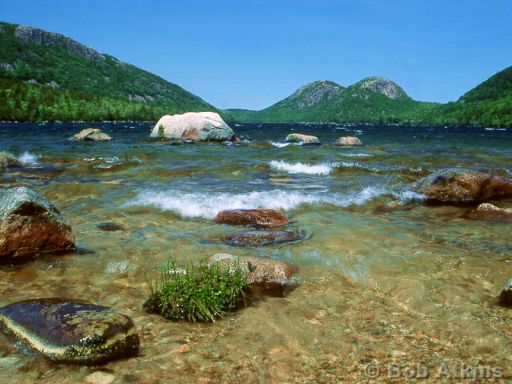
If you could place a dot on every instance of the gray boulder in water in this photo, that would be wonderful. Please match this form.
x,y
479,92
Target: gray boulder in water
x,y
193,126
30,225
70,331
462,186
91,134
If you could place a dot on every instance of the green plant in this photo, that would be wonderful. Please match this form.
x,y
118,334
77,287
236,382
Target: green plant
x,y
191,293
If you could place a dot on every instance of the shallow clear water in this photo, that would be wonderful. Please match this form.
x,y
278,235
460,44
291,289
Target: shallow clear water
x,y
384,279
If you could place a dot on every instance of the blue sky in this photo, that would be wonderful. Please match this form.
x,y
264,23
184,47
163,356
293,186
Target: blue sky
x,y
250,54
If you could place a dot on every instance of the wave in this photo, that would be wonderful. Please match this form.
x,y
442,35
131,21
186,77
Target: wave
x,y
28,158
207,205
278,144
356,154
294,168
378,169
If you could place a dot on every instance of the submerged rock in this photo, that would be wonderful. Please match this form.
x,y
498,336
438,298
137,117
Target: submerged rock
x,y
70,331
264,218
257,238
263,274
110,227
193,126
486,211
300,138
9,161
462,186
91,134
30,225
506,294
348,141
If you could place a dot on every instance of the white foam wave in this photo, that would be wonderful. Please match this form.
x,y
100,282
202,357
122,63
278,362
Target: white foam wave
x,y
28,158
294,168
279,145
207,205
356,154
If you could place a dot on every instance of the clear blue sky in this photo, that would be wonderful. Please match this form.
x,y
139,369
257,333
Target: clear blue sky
x,y
250,54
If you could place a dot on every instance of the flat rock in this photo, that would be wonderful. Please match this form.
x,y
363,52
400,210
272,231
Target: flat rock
x,y
31,225
193,126
462,186
110,227
505,298
263,274
99,377
257,238
9,161
262,218
490,212
348,141
91,134
70,331
300,138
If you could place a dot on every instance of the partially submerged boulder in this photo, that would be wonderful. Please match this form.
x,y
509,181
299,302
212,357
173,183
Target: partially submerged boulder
x,y
263,274
91,134
462,186
486,211
9,161
262,218
30,225
348,141
258,238
300,138
70,331
505,298
193,126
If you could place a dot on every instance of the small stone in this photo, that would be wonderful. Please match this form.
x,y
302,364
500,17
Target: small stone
x,y
99,377
263,218
348,141
486,211
91,134
257,238
506,294
300,138
68,331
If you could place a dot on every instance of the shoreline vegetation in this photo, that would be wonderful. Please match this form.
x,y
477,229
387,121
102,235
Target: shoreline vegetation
x,y
46,76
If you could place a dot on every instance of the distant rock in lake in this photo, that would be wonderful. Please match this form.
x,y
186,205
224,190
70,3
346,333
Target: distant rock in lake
x,y
193,126
462,186
348,141
91,134
300,138
31,225
70,331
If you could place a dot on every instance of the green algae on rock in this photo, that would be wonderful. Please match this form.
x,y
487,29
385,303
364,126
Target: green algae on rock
x,y
264,275
70,331
462,186
30,225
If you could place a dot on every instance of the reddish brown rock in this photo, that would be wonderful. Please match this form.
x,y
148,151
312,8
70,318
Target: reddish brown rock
x,y
462,186
264,275
263,218
31,225
486,211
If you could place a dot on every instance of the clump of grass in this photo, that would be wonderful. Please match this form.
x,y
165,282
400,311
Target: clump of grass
x,y
203,293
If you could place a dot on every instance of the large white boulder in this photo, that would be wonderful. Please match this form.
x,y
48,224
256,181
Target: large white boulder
x,y
193,126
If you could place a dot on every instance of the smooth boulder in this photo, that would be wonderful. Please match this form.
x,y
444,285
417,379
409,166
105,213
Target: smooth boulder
x,y
348,141
505,298
487,211
300,138
462,186
263,274
193,126
30,225
261,218
70,331
258,238
91,134
9,161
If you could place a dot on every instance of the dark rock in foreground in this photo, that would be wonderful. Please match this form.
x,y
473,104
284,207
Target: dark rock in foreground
x,y
257,238
263,275
462,186
70,331
263,218
91,134
30,225
506,294
9,161
490,212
